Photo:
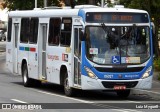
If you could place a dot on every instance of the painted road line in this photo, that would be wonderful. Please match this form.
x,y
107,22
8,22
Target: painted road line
x,y
133,101
19,101
92,103
83,101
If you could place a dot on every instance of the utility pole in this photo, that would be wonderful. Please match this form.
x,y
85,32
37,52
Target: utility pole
x,y
35,3
102,3
45,3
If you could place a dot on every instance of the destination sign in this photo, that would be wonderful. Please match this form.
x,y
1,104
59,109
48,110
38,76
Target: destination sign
x,y
112,17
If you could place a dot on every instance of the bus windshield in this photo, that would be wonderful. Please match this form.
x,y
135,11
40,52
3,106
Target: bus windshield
x,y
117,44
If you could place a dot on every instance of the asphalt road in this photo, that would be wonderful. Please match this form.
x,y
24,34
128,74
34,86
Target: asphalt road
x,y
2,46
12,91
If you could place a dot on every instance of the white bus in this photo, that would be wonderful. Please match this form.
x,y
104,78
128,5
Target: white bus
x,y
87,48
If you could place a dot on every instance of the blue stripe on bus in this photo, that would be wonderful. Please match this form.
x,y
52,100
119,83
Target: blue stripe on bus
x,y
82,14
22,48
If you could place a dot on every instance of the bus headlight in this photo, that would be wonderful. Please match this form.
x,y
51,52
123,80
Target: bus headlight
x,y
90,73
147,73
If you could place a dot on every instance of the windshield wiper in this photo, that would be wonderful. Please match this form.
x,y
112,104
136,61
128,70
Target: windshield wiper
x,y
104,27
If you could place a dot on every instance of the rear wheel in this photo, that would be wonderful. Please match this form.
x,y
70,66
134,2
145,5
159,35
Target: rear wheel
x,y
26,80
4,39
69,91
123,93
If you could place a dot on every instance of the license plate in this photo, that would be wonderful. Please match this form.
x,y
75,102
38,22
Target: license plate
x,y
119,87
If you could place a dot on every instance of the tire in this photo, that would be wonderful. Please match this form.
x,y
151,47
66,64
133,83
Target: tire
x,y
123,93
27,82
69,91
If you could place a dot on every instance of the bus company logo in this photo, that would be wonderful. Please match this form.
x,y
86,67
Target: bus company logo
x,y
53,57
120,76
65,57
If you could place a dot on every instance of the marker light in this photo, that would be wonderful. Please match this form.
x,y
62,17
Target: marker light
x,y
147,73
90,73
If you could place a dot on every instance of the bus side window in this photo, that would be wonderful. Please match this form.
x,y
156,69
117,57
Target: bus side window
x,y
25,30
33,30
9,29
54,31
66,32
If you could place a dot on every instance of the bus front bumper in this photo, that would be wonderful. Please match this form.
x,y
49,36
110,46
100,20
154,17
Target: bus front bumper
x,y
98,84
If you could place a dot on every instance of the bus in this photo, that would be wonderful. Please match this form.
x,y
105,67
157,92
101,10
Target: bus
x,y
85,48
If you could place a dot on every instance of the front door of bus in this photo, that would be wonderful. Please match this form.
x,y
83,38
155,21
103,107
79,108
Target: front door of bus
x,y
77,55
42,51
15,53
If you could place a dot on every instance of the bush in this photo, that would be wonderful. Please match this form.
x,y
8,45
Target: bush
x,y
156,64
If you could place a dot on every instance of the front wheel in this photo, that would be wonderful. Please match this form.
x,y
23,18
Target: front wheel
x,y
123,93
69,91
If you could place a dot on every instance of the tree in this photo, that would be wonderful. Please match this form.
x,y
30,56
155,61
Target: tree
x,y
109,4
22,4
30,4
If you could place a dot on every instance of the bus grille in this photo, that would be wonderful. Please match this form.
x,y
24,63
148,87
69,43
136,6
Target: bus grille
x,y
119,69
112,84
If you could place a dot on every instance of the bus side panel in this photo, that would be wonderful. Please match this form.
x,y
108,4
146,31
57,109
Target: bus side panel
x,y
33,61
22,55
9,46
9,54
54,62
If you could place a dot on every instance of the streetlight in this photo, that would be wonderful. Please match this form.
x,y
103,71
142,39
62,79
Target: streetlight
x,y
35,3
102,3
45,3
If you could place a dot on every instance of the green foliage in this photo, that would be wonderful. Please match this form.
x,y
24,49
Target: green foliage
x,y
30,4
22,4
156,64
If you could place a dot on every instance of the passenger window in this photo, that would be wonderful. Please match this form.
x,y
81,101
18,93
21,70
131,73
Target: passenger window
x,y
25,30
66,31
9,30
33,30
76,41
54,31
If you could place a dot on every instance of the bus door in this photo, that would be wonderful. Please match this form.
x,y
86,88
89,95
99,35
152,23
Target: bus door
x,y
42,51
77,55
15,51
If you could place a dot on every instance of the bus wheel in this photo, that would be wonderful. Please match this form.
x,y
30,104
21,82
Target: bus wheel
x,y
68,90
123,93
26,80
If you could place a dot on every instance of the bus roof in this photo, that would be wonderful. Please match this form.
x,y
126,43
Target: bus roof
x,y
69,12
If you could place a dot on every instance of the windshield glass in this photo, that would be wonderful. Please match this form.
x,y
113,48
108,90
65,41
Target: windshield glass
x,y
117,45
